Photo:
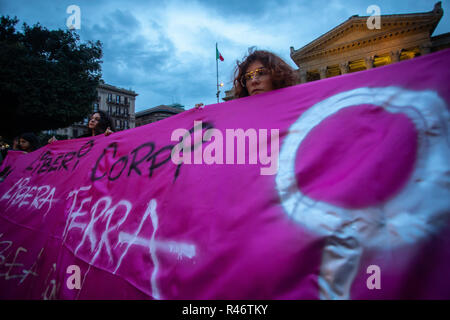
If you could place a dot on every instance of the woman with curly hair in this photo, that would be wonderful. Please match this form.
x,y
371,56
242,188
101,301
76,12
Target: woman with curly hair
x,y
28,142
262,71
99,123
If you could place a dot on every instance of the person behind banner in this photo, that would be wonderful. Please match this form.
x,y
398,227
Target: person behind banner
x,y
28,142
262,71
16,146
259,72
3,149
99,123
6,148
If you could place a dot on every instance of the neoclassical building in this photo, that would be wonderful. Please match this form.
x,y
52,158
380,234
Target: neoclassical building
x,y
352,46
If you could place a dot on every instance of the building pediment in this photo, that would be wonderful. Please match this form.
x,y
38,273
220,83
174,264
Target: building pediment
x,y
355,33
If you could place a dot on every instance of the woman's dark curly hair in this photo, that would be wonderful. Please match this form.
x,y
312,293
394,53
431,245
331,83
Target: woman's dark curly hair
x,y
282,74
104,123
32,139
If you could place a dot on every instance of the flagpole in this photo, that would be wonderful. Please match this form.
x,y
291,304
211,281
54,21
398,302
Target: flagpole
x,y
217,73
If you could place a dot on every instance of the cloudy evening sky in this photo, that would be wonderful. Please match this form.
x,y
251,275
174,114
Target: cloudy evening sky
x,y
165,50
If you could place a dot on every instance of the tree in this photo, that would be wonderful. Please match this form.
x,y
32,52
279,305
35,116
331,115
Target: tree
x,y
48,78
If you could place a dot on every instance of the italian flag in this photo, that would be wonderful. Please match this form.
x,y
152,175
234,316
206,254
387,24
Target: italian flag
x,y
218,55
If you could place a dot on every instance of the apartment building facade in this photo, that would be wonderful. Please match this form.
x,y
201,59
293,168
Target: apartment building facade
x,y
117,102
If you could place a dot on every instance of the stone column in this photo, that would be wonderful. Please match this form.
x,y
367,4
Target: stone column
x,y
344,67
369,62
302,75
323,72
395,56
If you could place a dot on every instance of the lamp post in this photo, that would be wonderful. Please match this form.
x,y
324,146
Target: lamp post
x,y
218,90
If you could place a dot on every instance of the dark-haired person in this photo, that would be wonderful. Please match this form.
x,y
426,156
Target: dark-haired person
x,y
6,147
262,71
16,146
99,123
28,142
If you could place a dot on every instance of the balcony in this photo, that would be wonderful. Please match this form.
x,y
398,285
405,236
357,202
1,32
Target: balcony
x,y
120,115
121,103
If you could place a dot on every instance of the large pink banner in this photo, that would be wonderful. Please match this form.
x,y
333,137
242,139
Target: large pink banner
x,y
335,189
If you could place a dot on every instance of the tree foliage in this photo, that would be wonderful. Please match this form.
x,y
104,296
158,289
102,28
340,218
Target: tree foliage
x,y
48,78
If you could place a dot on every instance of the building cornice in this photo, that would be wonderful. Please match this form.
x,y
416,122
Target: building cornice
x,y
397,25
116,89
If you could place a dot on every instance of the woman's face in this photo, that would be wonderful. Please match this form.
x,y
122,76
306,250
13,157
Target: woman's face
x,y
24,145
93,122
257,78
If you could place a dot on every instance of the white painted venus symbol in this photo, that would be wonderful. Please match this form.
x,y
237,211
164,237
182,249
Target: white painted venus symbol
x,y
417,211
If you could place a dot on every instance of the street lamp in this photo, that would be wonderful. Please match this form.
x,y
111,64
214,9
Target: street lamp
x,y
218,91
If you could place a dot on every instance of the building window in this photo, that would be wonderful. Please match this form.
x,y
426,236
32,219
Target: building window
x,y
126,100
110,97
312,76
117,99
95,107
109,110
